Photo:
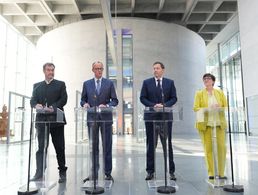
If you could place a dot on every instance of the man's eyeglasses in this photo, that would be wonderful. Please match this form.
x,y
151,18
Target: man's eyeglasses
x,y
99,69
207,78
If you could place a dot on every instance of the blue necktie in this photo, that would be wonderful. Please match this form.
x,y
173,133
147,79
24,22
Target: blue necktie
x,y
98,87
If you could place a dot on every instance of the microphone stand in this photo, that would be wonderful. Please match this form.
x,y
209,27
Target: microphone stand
x,y
232,187
165,189
26,190
95,189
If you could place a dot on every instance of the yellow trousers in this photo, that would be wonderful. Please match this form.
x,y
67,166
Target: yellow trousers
x,y
206,137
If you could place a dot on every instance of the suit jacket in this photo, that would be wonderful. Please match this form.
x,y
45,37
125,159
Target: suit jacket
x,y
106,96
150,95
201,101
53,94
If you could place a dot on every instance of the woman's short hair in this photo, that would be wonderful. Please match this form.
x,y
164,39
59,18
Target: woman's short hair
x,y
209,75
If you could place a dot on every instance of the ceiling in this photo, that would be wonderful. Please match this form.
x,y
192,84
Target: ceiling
x,y
33,18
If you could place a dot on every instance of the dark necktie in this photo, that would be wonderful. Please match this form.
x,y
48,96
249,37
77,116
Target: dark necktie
x,y
159,91
159,84
98,87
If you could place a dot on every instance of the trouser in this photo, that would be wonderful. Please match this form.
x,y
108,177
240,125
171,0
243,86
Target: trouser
x,y
57,134
153,129
206,137
106,137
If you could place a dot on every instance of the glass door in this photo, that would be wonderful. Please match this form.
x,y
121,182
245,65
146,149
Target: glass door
x,y
232,82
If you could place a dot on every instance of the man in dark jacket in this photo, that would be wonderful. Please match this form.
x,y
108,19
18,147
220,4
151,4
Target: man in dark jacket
x,y
48,98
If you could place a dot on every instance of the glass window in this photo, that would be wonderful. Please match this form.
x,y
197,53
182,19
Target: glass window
x,y
231,78
127,81
127,49
2,60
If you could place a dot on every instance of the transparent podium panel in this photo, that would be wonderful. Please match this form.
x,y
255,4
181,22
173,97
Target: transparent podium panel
x,y
158,123
98,161
140,133
81,132
213,114
43,121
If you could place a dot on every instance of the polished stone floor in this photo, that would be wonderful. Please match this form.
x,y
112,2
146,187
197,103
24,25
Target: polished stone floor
x,y
129,167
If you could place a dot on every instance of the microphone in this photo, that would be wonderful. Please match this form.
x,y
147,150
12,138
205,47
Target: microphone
x,y
222,88
95,97
162,95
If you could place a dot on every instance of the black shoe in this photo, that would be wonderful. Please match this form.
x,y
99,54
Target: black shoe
x,y
149,176
62,177
86,179
89,178
211,177
223,177
109,177
172,176
37,177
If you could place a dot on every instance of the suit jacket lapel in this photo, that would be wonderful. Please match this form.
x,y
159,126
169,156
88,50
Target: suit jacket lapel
x,y
153,83
92,86
103,82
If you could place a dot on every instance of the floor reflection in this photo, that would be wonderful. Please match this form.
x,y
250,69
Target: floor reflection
x,y
129,167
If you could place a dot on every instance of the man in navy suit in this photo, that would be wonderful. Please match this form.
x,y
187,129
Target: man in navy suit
x,y
100,93
158,92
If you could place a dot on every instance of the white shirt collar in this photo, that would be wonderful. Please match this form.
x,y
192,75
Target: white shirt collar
x,y
95,79
156,79
48,82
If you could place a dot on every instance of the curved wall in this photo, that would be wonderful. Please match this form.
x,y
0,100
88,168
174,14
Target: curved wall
x,y
74,47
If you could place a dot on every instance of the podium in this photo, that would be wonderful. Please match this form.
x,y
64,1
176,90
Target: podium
x,y
42,120
99,126
161,120
213,116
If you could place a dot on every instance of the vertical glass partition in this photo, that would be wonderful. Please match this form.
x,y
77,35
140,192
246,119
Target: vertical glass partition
x,y
18,118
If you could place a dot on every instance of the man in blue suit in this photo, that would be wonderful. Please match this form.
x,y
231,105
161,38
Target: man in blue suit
x,y
157,92
99,93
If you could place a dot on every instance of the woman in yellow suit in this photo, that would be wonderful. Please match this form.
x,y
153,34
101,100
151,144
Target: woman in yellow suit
x,y
206,101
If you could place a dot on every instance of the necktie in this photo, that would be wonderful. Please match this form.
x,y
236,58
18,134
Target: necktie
x,y
159,91
159,84
98,87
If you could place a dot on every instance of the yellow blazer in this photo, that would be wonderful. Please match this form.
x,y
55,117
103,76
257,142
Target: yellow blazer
x,y
201,101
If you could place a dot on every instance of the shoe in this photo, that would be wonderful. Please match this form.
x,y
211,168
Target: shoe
x,y
223,177
172,176
37,177
211,177
109,177
62,177
149,176
89,178
86,179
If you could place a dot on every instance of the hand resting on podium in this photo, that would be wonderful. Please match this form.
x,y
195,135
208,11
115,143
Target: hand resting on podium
x,y
43,109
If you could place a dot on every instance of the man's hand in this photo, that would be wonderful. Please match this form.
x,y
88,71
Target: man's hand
x,y
38,107
102,106
158,106
86,105
49,109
